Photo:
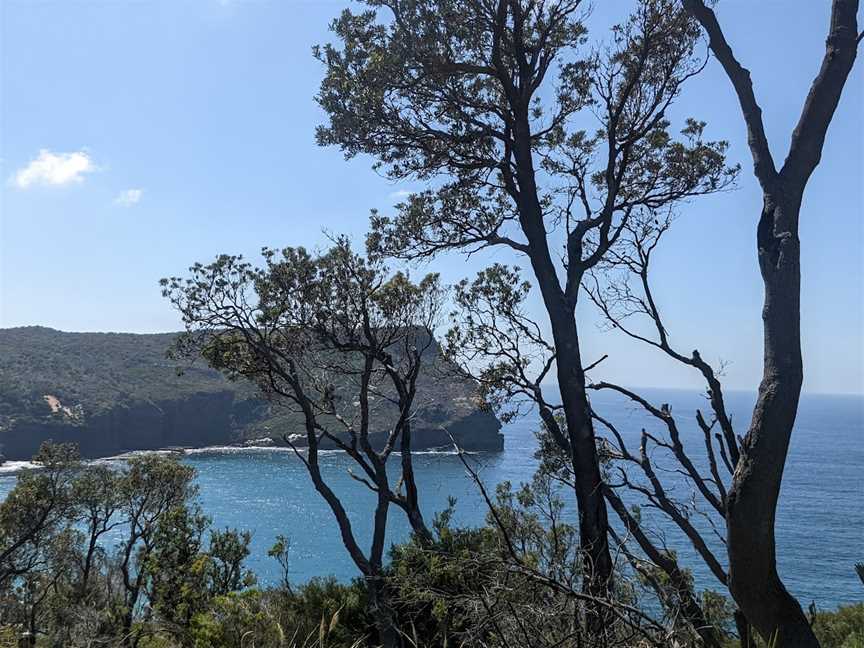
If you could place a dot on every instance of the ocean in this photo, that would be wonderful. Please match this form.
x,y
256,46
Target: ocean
x,y
820,521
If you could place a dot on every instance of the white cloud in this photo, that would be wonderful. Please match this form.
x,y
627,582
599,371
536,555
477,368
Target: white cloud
x,y
129,197
54,169
402,193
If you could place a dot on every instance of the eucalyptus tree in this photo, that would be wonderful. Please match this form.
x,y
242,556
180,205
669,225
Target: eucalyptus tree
x,y
35,511
339,341
152,489
531,141
755,489
492,317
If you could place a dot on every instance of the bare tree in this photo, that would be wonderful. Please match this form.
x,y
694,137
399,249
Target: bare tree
x,y
495,341
752,500
467,92
340,341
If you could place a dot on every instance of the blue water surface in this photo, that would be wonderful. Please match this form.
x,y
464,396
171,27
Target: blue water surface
x,y
820,521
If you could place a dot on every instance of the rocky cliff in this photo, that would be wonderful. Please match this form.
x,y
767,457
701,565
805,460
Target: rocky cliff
x,y
117,392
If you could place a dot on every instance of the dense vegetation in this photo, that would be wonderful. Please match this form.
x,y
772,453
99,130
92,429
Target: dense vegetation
x,y
92,555
89,375
91,371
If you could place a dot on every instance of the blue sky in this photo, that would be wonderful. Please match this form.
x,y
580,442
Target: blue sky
x,y
173,131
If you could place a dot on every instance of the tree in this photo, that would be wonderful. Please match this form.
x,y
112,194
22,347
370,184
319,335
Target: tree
x,y
96,496
491,315
280,552
35,510
752,500
228,549
464,91
153,488
341,341
177,570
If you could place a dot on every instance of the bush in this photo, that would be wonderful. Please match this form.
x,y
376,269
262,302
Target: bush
x,y
841,628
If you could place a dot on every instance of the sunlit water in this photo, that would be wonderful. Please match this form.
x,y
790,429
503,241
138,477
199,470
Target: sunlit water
x,y
820,523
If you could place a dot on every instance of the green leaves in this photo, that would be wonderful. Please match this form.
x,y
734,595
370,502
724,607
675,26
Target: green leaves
x,y
227,551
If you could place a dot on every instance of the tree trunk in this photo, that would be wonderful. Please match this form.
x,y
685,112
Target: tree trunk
x,y
415,516
752,502
88,565
385,623
593,521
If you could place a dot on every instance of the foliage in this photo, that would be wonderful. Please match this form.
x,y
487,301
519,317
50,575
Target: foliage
x,y
93,371
489,586
841,628
533,141
228,549
233,618
60,577
91,374
339,340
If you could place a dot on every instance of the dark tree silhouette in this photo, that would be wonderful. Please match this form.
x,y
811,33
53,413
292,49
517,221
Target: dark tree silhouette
x,y
752,498
309,330
486,97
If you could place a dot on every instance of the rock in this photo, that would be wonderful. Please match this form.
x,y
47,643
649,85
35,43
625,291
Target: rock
x,y
264,442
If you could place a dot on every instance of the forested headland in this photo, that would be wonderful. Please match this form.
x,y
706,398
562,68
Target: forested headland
x,y
112,393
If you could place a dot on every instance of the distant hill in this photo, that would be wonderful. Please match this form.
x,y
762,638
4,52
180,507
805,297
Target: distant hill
x,y
117,392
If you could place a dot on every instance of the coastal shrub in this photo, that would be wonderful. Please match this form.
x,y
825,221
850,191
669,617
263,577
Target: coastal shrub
x,y
234,619
841,628
307,608
516,576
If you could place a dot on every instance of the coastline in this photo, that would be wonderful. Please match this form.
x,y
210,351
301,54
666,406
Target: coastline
x,y
10,468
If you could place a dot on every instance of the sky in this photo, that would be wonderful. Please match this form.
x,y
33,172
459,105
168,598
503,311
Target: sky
x,y
140,136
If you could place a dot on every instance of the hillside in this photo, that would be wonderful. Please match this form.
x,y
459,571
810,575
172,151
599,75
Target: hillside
x,y
116,392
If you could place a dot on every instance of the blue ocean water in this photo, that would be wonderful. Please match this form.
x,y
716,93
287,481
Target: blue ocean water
x,y
820,522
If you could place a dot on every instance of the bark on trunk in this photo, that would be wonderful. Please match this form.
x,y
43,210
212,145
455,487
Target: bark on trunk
x,y
752,503
593,520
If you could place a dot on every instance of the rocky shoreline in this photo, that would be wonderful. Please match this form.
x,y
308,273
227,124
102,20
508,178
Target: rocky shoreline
x,y
13,467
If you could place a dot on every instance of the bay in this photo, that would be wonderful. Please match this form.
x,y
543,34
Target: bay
x,y
820,521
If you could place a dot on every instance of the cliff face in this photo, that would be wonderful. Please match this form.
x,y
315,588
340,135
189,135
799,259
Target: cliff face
x,y
115,393
196,420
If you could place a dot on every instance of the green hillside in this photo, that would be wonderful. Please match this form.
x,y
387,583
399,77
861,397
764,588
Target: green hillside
x,y
114,392
93,371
